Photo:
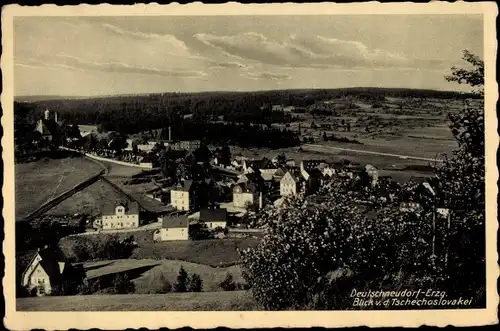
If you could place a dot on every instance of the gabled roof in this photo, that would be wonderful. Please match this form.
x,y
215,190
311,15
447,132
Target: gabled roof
x,y
131,208
247,187
186,186
50,262
46,127
295,176
213,215
263,163
175,221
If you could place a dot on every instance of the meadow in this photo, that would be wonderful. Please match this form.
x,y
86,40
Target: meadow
x,y
202,301
44,179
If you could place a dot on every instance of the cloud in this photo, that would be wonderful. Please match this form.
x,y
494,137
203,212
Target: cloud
x,y
71,62
309,52
175,45
228,65
267,76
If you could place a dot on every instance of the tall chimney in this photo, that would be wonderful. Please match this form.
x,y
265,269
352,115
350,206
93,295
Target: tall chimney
x,y
47,114
260,200
55,117
169,133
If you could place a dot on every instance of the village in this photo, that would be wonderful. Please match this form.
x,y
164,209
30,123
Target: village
x,y
191,192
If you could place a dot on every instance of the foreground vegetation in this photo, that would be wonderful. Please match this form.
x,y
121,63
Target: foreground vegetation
x,y
314,254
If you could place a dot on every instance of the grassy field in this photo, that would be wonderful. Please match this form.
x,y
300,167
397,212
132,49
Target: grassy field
x,y
90,200
153,272
38,182
204,301
213,252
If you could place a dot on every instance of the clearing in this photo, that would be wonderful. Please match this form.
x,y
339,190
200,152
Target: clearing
x,y
203,301
42,180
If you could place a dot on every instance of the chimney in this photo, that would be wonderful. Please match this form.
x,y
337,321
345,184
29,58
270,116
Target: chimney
x,y
169,133
55,117
47,114
260,200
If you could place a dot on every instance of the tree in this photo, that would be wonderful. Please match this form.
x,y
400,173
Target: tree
x,y
304,241
325,137
195,284
228,283
225,155
122,284
461,187
473,76
182,281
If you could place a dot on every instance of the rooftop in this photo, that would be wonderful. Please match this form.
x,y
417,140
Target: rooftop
x,y
175,221
213,215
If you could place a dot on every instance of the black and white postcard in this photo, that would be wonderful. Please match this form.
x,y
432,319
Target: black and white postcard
x,y
232,165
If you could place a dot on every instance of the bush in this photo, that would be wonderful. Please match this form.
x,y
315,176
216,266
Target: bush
x,y
122,284
228,283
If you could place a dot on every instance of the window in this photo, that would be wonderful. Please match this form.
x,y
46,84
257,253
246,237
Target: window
x,y
38,271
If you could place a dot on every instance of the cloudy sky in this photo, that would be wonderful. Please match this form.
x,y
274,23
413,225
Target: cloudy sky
x,y
122,55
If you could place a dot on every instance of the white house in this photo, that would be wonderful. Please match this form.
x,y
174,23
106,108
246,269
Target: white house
x,y
214,218
45,270
289,184
173,227
246,194
121,216
182,197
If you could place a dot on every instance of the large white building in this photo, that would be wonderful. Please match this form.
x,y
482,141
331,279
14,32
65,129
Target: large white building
x,y
182,197
121,216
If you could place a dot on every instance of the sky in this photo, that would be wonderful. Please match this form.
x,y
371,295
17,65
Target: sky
x,y
88,56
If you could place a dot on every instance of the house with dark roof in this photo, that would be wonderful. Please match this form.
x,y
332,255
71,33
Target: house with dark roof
x,y
124,215
310,164
214,218
47,268
173,227
182,197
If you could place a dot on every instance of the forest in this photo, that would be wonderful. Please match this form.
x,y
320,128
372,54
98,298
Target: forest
x,y
132,114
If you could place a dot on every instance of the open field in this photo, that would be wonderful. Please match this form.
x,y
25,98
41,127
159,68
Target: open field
x,y
42,180
204,301
213,252
90,200
152,272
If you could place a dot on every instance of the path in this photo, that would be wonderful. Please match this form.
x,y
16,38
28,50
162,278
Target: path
x,y
326,149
